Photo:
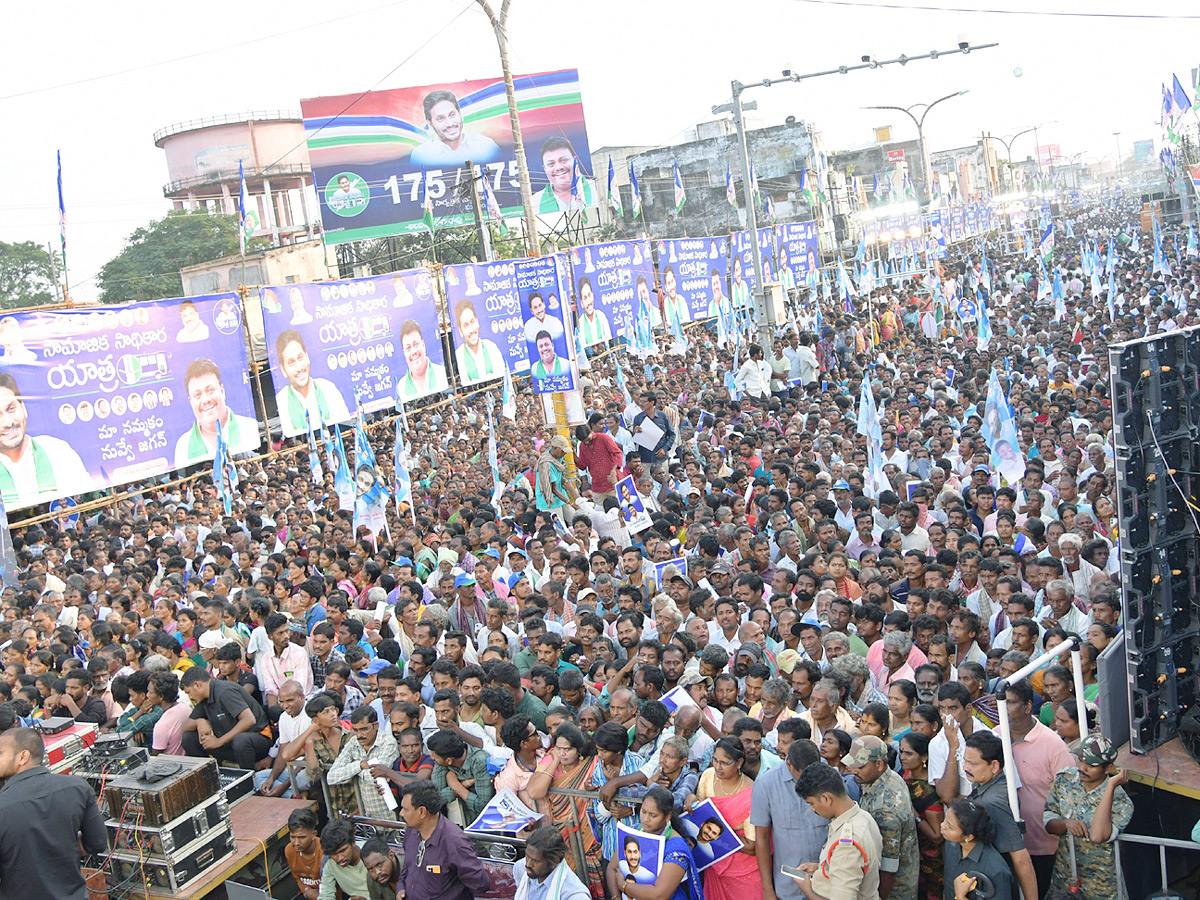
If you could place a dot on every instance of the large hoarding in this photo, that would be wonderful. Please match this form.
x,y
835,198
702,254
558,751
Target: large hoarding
x,y
741,261
373,153
334,344
96,397
606,280
699,270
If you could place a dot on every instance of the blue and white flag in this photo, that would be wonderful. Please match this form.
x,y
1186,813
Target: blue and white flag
x,y
62,211
343,481
402,487
869,426
314,458
242,205
1179,97
1192,248
370,496
1046,244
614,193
635,192
730,193
224,472
577,197
983,338
680,193
876,191
508,398
1000,431
624,388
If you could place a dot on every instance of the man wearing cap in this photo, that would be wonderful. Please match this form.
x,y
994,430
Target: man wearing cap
x,y
551,495
885,797
467,610
842,497
848,866
1089,802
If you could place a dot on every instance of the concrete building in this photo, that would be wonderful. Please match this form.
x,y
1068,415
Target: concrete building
x,y
202,165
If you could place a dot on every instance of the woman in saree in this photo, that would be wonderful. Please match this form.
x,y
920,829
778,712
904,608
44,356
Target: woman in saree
x,y
678,878
569,765
735,877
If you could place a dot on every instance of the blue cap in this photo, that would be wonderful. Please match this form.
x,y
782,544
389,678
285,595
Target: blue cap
x,y
463,580
518,551
514,578
492,552
377,665
403,561
841,485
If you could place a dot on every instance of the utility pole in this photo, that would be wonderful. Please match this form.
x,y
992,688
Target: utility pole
x,y
500,29
920,123
481,228
1117,135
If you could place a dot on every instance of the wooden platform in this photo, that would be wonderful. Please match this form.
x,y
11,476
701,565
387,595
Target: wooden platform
x,y
1168,768
258,825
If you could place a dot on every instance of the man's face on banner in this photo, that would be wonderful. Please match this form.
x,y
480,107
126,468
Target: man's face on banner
x,y
13,419
560,166
587,299
546,351
294,363
446,121
669,284
207,396
414,352
468,324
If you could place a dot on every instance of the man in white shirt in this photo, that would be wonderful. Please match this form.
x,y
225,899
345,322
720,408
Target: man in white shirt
x,y
33,469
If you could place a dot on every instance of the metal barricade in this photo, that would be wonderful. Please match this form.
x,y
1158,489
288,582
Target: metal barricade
x,y
1162,844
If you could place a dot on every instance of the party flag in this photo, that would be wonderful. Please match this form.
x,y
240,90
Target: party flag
x,y
636,193
730,194
680,194
614,194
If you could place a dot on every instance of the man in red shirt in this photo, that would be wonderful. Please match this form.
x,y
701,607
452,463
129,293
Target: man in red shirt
x,y
600,456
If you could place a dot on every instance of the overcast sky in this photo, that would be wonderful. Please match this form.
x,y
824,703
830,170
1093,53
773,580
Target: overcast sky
x,y
96,80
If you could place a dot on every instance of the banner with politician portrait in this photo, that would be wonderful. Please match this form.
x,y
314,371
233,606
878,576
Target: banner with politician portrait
x,y
694,277
374,153
742,279
798,260
331,342
606,278
95,397
547,323
486,320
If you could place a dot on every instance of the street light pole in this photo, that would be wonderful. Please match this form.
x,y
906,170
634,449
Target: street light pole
x,y
1117,135
737,107
926,170
1008,152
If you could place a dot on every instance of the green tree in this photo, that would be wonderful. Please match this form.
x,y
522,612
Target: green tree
x,y
148,267
26,275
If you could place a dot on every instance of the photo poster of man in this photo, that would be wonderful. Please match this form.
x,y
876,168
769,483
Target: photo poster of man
x,y
605,277
505,814
659,567
934,234
375,156
486,321
639,855
798,260
633,510
695,273
714,839
744,252
549,338
330,342
98,396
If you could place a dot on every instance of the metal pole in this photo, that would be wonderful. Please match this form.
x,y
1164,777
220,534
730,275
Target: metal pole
x,y
1076,660
1117,135
760,293
481,228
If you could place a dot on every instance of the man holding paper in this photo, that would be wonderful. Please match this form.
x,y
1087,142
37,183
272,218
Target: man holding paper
x,y
651,431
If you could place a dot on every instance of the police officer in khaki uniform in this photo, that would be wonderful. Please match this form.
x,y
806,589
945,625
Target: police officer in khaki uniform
x,y
849,865
886,800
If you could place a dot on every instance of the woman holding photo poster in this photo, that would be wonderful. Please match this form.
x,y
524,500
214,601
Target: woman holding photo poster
x,y
735,877
678,878
569,765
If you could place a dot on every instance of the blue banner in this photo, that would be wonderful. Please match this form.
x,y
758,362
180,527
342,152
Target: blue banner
x,y
607,279
699,269
935,234
972,228
797,254
742,283
486,320
331,342
956,224
547,323
96,397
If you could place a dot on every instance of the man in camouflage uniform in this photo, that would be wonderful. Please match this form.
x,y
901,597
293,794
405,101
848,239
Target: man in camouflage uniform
x,y
1089,804
848,868
885,797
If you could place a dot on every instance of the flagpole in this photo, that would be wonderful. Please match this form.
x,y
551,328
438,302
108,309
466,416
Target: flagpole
x,y
62,231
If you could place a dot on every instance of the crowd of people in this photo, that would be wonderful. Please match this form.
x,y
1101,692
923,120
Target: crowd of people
x,y
831,648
